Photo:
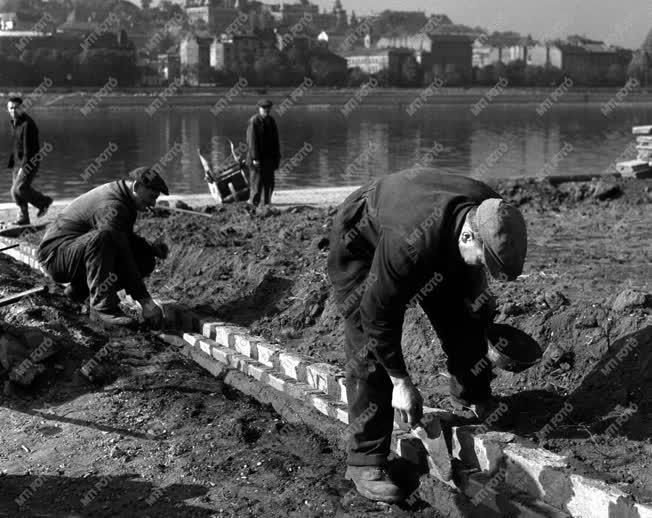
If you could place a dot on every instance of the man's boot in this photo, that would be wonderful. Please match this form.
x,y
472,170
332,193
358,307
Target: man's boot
x,y
374,483
44,210
111,318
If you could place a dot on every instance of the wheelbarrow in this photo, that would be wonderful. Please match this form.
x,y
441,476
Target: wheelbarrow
x,y
229,185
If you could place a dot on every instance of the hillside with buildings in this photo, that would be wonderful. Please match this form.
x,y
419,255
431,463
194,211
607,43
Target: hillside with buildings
x,y
208,42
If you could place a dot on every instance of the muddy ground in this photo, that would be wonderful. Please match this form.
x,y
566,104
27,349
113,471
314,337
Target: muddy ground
x,y
584,296
157,436
589,244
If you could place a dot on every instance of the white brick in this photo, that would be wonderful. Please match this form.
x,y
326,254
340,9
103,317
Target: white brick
x,y
205,346
208,328
292,365
258,371
323,377
525,466
480,450
595,499
222,355
644,511
192,339
342,415
244,344
321,404
240,362
221,335
342,383
267,353
410,448
275,381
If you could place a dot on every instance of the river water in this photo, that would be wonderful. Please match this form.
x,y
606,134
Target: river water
x,y
329,149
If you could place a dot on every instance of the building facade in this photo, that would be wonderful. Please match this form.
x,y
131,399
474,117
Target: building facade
x,y
216,14
230,51
450,56
194,59
373,61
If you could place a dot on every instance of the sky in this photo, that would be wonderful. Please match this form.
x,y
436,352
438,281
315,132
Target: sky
x,y
624,23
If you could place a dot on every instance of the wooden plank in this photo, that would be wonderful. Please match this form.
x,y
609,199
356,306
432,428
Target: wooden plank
x,y
18,296
556,180
644,140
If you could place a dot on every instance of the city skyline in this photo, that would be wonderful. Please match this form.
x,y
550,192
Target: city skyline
x,y
624,24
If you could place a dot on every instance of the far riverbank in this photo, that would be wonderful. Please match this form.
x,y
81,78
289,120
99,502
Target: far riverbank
x,y
169,97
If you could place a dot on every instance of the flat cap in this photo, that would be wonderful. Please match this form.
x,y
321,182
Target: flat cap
x,y
150,178
265,103
504,236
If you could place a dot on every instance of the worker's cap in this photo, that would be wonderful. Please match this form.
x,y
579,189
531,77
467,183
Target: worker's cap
x,y
150,178
265,103
504,236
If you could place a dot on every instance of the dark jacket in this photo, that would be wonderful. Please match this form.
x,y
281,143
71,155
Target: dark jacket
x,y
405,226
262,141
107,207
25,144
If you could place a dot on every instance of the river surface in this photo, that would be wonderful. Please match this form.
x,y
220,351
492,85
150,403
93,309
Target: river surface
x,y
321,147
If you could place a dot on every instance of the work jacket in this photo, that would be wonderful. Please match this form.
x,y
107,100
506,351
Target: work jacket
x,y
263,142
25,144
107,207
405,227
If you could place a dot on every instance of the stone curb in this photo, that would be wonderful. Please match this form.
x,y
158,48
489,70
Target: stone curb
x,y
509,473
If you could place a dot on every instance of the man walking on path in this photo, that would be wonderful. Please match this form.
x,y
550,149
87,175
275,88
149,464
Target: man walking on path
x,y
264,154
92,246
24,160
417,236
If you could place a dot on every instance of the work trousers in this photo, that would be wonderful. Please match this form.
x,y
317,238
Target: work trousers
x,y
23,193
261,182
92,263
368,386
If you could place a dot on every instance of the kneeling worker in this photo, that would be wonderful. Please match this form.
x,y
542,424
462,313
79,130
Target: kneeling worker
x,y
417,236
92,246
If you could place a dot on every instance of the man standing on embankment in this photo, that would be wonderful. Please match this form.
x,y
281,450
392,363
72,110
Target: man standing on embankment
x,y
264,154
92,246
25,161
417,236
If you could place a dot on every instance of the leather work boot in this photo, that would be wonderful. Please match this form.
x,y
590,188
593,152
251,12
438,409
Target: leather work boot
x,y
111,318
374,483
44,210
20,222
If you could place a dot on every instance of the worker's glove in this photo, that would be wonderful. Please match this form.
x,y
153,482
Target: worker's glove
x,y
256,163
152,313
407,399
161,249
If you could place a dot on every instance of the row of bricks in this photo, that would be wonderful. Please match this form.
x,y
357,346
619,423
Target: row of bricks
x,y
321,376
465,446
268,375
524,468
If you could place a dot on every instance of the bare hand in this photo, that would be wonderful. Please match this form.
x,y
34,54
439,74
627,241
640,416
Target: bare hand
x,y
407,400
